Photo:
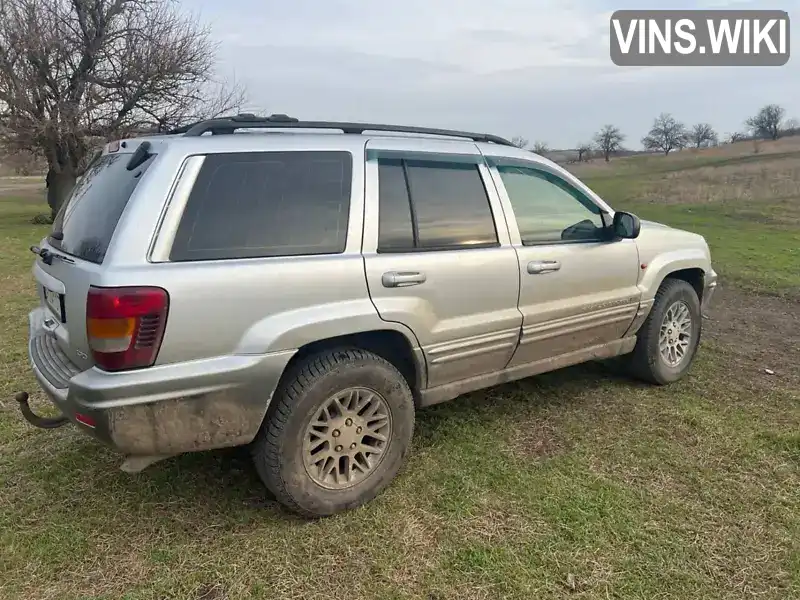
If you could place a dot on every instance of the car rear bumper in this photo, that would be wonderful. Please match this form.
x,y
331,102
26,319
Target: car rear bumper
x,y
161,410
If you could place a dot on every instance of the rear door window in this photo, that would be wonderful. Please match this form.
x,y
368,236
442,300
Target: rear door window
x,y
88,218
395,226
450,205
262,204
432,205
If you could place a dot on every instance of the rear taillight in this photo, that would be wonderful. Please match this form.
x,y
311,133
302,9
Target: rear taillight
x,y
125,325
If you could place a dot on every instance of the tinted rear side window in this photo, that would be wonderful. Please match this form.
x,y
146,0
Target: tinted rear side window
x,y
432,205
89,217
450,204
261,204
395,229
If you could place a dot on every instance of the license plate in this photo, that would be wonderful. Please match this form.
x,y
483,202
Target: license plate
x,y
53,300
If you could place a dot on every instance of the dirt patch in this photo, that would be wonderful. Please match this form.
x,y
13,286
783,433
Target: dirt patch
x,y
201,422
758,335
539,440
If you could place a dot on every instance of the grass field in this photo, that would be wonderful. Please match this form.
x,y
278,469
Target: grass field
x,y
576,484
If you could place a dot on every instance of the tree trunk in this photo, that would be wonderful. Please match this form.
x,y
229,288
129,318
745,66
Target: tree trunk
x,y
606,155
59,185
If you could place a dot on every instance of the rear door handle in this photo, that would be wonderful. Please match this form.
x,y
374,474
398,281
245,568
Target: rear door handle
x,y
394,279
537,267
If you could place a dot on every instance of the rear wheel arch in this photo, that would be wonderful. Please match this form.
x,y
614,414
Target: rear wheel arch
x,y
292,453
390,344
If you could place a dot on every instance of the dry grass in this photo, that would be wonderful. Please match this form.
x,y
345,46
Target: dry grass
x,y
746,205
574,484
690,157
764,180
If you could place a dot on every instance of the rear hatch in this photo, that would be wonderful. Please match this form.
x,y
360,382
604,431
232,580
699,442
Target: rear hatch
x,y
74,252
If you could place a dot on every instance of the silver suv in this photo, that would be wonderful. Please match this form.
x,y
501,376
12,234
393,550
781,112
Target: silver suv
x,y
304,287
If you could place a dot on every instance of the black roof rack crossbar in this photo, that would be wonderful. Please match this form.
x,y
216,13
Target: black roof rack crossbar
x,y
225,125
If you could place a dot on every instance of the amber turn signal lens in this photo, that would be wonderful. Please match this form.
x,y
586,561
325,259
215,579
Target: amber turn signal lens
x,y
110,328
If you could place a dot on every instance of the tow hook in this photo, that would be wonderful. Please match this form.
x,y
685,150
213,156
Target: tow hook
x,y
34,419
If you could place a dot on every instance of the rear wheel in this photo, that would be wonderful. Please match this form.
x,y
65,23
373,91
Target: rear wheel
x,y
667,342
337,432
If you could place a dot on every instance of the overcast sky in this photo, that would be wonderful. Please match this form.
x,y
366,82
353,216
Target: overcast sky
x,y
536,68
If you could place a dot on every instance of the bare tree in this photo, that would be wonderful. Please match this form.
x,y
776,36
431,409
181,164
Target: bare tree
x,y
767,123
77,72
609,140
519,141
791,126
702,134
667,134
734,137
583,151
540,147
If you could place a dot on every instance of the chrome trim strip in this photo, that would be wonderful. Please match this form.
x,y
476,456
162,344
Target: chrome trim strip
x,y
470,353
472,346
565,326
448,391
641,316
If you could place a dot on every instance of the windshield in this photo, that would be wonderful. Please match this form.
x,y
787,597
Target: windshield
x,y
88,218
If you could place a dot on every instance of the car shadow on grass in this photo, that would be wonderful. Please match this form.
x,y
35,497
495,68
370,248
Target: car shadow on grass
x,y
221,488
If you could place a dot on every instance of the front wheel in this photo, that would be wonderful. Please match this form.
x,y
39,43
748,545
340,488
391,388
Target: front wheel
x,y
667,342
337,432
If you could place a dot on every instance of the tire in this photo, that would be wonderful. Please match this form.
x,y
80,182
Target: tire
x,y
282,449
646,361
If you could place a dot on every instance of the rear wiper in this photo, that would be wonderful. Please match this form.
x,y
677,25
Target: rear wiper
x,y
47,256
139,156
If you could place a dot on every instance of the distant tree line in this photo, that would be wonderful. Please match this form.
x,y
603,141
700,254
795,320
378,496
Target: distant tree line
x,y
668,134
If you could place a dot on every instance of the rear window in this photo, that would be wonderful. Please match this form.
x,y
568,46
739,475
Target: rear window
x,y
90,215
262,204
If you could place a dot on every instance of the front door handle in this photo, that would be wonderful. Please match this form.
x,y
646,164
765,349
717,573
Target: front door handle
x,y
537,267
394,279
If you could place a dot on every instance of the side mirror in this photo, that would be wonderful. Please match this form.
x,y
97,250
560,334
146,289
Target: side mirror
x,y
626,225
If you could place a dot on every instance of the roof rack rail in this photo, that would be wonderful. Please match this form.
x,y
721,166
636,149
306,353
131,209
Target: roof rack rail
x,y
227,125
